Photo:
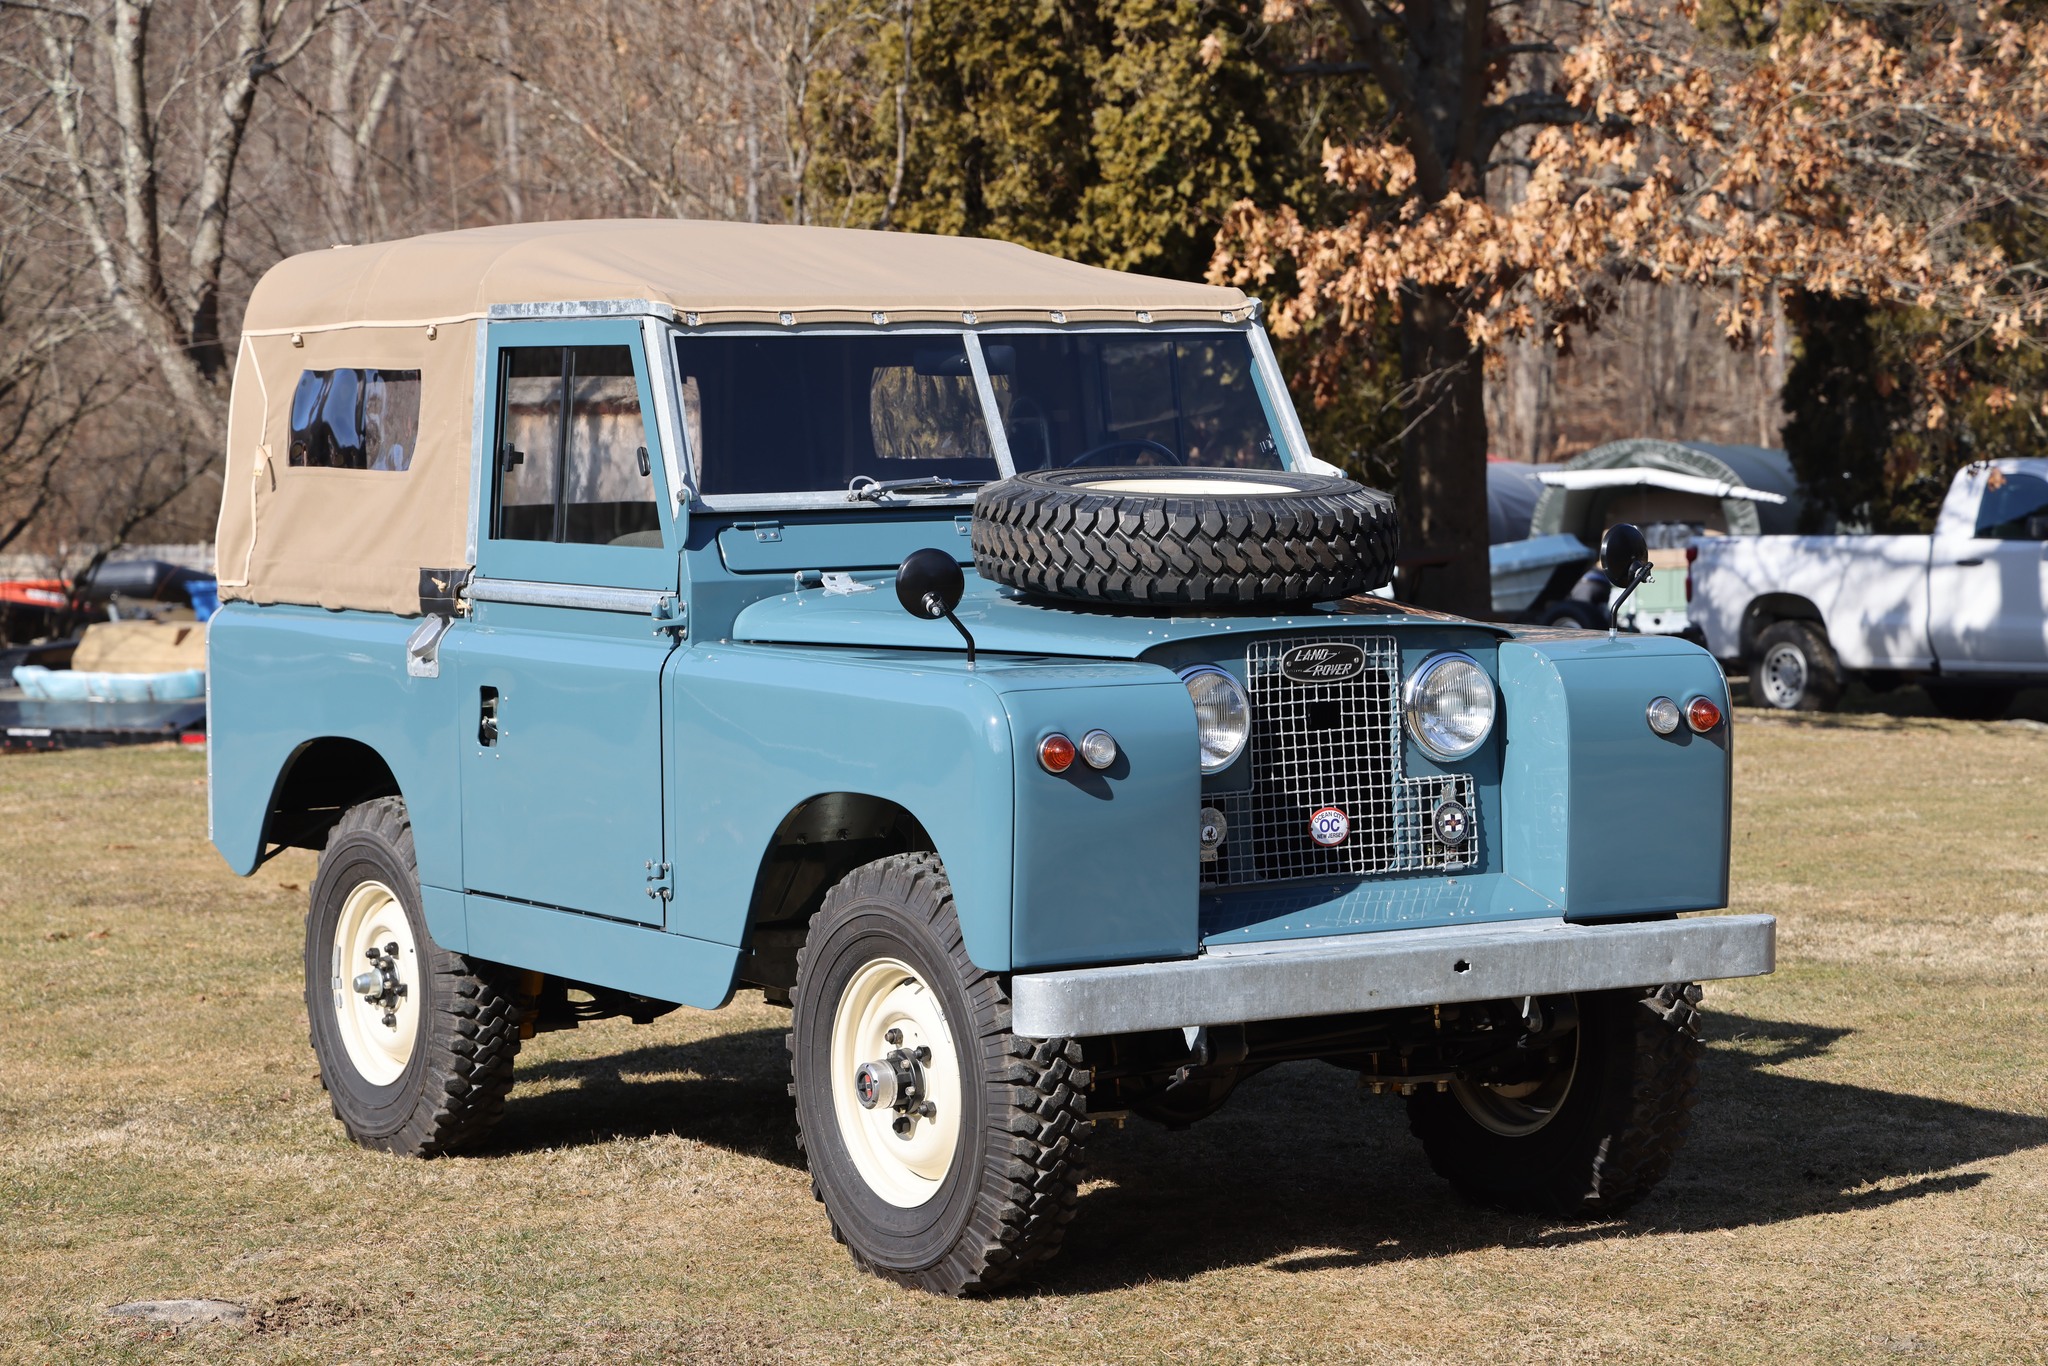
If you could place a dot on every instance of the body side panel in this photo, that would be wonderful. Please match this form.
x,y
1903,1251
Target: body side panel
x,y
1605,816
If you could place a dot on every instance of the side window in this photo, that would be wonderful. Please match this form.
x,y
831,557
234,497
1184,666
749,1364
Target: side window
x,y
2015,508
572,466
355,419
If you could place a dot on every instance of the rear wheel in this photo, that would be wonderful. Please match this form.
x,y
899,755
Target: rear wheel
x,y
1591,1126
945,1148
415,1043
1794,668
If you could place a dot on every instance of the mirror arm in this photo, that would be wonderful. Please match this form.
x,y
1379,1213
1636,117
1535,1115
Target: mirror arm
x,y
1638,575
964,636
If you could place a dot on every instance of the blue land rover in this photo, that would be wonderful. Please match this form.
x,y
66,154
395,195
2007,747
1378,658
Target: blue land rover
x,y
962,648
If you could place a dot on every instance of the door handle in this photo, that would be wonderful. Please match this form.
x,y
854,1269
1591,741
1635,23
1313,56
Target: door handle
x,y
1968,564
487,717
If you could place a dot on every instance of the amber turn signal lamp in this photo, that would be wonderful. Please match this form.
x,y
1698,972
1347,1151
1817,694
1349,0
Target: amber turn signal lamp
x,y
1702,715
1056,752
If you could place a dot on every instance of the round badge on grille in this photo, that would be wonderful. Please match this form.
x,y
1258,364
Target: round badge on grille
x,y
1329,826
1452,822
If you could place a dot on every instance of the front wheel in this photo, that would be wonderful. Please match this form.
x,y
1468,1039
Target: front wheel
x,y
1795,669
946,1149
1589,1125
415,1043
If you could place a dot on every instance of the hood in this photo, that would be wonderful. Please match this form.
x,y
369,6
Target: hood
x,y
1005,622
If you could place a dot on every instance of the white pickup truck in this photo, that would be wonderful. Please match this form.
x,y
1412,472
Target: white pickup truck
x,y
1961,611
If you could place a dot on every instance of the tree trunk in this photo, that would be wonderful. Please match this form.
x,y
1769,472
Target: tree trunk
x,y
1443,461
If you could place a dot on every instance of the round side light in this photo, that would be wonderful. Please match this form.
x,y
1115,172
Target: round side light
x,y
1056,753
1098,749
1663,715
1702,715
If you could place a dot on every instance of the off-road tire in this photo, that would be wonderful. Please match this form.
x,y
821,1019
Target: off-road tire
x,y
1617,1131
452,1090
1808,656
1966,703
1319,538
1573,615
1010,1193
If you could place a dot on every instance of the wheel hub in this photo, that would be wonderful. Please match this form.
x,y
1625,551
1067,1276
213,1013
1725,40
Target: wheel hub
x,y
1784,675
380,986
896,1082
376,1011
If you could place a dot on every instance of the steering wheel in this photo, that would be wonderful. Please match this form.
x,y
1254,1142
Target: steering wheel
x,y
1132,443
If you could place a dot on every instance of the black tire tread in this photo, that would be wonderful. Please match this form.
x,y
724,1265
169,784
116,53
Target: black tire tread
x,y
1184,550
472,1042
1824,682
1638,1139
1037,1114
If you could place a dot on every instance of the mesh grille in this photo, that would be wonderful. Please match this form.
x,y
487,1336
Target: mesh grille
x,y
1331,744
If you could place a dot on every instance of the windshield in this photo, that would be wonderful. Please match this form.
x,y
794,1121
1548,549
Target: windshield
x,y
1108,398
884,416
805,413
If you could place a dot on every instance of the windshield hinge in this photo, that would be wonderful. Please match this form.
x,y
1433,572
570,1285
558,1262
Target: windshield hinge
x,y
763,531
964,524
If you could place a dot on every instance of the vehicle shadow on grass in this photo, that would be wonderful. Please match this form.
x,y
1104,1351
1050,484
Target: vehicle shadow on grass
x,y
728,1090
1303,1172
1297,1175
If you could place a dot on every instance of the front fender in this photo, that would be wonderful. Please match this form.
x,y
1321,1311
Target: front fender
x,y
1084,868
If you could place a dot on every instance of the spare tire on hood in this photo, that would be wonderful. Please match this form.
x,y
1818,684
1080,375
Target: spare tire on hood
x,y
1184,536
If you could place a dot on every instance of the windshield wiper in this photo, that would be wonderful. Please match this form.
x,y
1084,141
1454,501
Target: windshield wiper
x,y
865,488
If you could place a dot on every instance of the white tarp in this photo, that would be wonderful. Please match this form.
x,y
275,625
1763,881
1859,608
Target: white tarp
x,y
1638,476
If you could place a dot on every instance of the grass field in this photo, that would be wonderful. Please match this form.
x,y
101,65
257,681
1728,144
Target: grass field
x,y
1867,1178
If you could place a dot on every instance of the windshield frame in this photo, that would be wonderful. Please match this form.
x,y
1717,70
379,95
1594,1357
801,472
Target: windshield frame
x,y
1266,378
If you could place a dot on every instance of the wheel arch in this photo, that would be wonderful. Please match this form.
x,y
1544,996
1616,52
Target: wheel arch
x,y
320,780
817,842
1768,609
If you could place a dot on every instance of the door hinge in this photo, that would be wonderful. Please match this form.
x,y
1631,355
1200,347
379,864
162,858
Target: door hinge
x,y
657,881
671,617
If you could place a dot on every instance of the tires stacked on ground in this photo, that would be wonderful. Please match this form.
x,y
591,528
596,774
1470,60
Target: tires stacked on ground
x,y
1184,538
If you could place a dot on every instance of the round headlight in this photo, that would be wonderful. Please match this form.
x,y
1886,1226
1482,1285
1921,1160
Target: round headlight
x,y
1223,717
1450,706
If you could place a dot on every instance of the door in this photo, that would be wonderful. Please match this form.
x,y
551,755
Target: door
x,y
561,664
1987,580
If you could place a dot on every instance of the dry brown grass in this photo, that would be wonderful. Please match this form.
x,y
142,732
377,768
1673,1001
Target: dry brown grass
x,y
1867,1179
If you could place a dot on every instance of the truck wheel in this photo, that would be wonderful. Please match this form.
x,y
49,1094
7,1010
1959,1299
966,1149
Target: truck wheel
x,y
1970,704
415,1043
1593,1133
1572,615
1795,669
945,1148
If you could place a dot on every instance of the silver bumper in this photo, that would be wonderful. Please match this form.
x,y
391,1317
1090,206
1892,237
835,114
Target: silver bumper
x,y
1388,969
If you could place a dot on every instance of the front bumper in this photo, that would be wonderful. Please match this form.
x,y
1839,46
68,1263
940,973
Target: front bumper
x,y
1343,974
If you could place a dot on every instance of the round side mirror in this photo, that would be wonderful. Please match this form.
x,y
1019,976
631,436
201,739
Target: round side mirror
x,y
1621,550
929,584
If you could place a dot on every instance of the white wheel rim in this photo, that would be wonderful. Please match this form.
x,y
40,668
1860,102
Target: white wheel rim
x,y
1784,674
373,919
904,1170
1190,485
1520,1109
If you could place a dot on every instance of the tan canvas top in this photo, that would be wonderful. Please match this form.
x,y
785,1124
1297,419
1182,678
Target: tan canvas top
x,y
373,538
722,272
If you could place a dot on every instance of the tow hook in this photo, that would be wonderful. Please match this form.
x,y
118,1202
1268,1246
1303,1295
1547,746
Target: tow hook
x,y
380,986
896,1082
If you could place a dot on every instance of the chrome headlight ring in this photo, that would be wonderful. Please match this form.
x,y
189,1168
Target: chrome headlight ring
x,y
1223,715
1450,705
